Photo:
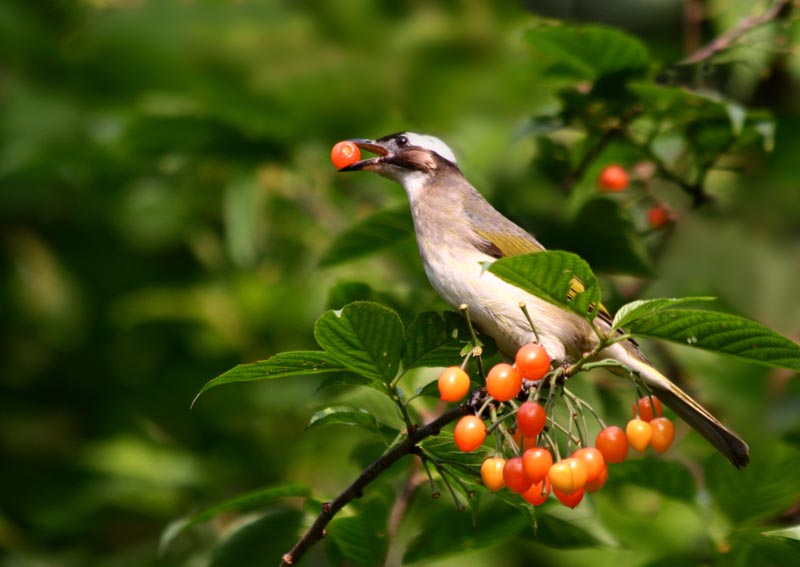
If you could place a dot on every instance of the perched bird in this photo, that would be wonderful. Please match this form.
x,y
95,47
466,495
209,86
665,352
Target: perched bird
x,y
458,231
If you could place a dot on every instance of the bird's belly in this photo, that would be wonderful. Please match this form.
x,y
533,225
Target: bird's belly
x,y
494,307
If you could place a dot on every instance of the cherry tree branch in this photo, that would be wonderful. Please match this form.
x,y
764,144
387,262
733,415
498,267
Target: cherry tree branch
x,y
317,530
730,37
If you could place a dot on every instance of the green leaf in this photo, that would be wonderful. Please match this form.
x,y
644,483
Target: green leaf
x,y
551,276
344,415
669,478
592,51
364,337
449,532
435,339
362,538
767,487
720,332
635,310
242,503
283,365
562,534
377,231
270,536
787,533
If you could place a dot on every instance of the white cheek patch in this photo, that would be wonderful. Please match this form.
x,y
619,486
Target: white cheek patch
x,y
431,143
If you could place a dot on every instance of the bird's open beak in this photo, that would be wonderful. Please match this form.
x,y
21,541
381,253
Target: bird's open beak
x,y
370,146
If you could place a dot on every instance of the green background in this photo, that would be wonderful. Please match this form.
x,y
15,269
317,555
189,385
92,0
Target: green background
x,y
166,201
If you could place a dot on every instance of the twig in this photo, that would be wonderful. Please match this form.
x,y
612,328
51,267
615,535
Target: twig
x,y
317,530
730,37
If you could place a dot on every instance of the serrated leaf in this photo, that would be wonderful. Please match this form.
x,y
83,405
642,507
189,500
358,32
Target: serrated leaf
x,y
364,337
435,339
771,484
344,415
241,503
634,310
377,231
551,276
591,50
720,332
267,537
283,365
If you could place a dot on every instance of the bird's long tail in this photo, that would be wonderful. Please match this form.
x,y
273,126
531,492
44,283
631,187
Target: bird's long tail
x,y
725,440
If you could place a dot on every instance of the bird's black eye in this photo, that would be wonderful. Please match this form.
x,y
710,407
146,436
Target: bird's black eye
x,y
401,141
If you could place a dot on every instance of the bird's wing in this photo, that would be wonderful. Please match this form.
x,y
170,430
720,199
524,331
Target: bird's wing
x,y
504,245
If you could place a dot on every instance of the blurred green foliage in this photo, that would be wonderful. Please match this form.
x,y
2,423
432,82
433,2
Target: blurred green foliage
x,y
166,201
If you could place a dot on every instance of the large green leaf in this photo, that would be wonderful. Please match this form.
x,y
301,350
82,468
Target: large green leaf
x,y
242,503
364,337
267,538
635,310
591,50
767,487
669,478
435,339
361,539
283,365
449,532
552,276
720,332
371,234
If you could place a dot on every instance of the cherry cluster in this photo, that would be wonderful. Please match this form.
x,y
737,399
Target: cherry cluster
x,y
527,459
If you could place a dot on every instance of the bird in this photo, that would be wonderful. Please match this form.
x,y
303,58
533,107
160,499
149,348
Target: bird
x,y
458,231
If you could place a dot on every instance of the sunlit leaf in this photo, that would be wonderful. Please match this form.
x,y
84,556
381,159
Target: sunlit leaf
x,y
720,332
554,276
634,310
364,337
590,50
283,365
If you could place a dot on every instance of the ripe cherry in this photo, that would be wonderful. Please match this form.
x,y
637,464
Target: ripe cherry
x,y
344,154
531,419
453,384
593,458
514,475
639,433
599,482
469,433
568,475
663,434
647,408
538,492
571,500
536,463
613,179
503,382
532,361
613,444
658,217
492,473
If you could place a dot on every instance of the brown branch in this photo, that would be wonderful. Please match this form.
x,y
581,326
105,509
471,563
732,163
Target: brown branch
x,y
730,37
317,530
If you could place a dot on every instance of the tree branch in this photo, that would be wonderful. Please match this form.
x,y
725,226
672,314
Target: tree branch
x,y
730,37
317,530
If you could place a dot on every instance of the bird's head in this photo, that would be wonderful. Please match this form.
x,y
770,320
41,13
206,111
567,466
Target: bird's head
x,y
408,158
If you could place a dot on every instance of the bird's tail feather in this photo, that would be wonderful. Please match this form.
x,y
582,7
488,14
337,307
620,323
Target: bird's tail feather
x,y
725,440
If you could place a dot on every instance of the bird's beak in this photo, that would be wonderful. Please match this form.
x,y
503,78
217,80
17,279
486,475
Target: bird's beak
x,y
369,163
